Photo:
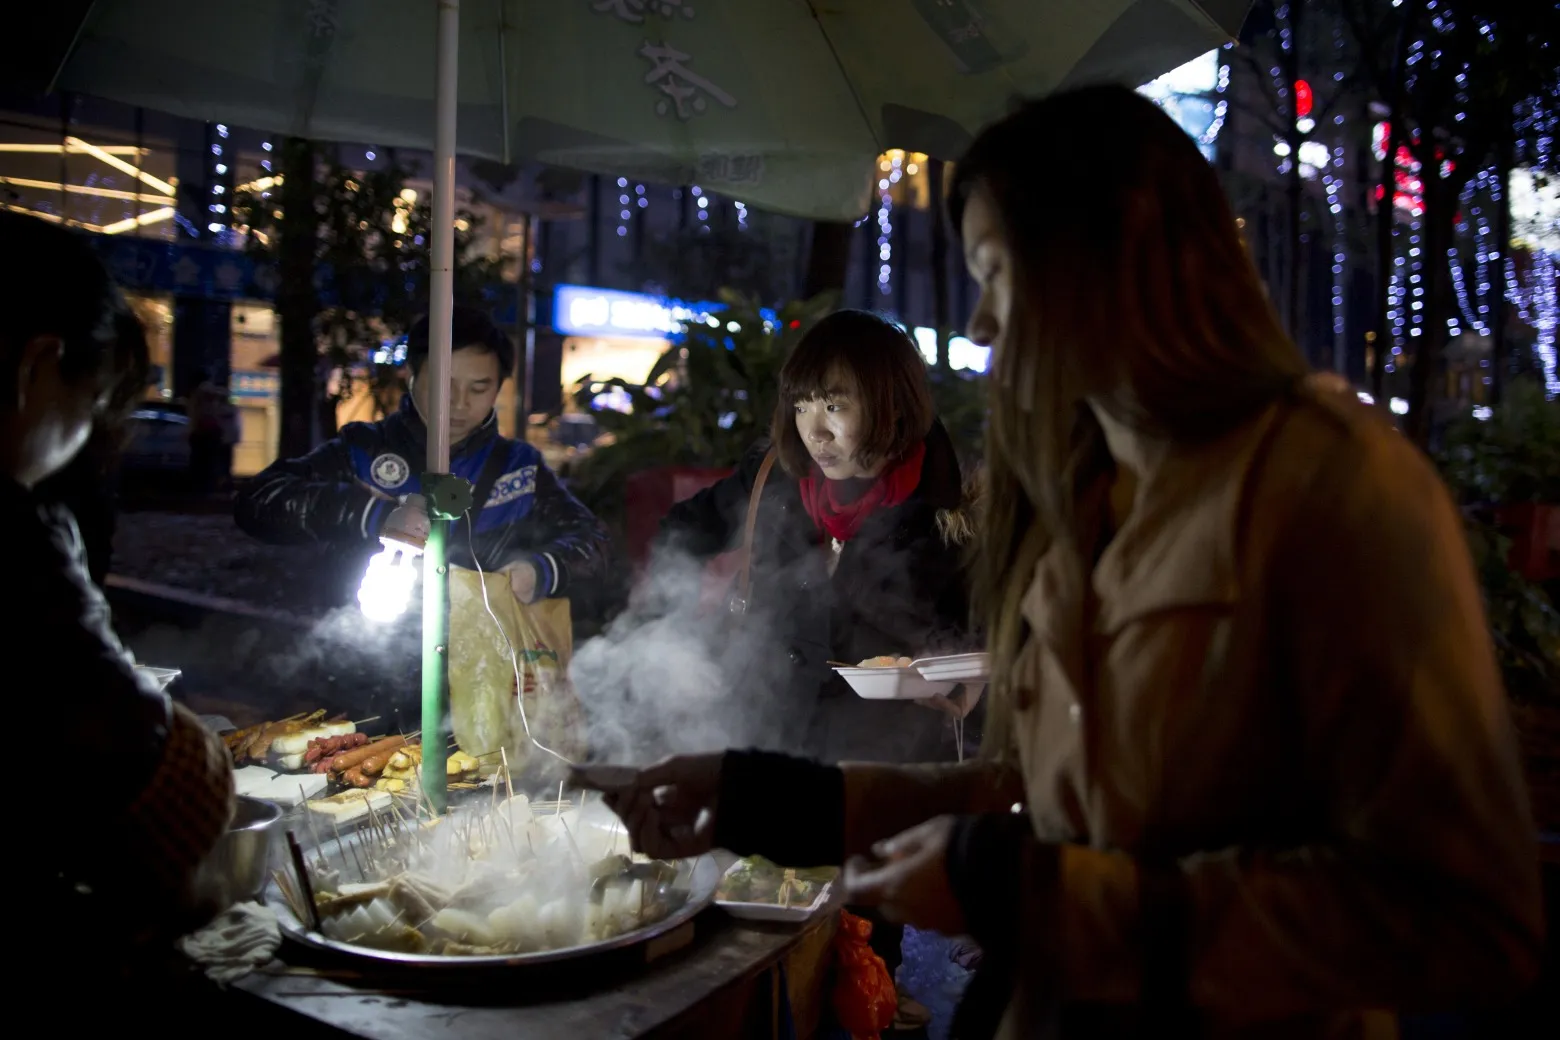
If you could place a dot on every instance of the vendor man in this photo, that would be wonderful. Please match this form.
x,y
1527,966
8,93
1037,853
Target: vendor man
x,y
522,524
343,492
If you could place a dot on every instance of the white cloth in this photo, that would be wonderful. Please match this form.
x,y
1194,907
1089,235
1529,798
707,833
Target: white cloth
x,y
239,940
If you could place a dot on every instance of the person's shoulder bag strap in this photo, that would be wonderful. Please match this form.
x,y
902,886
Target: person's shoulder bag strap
x,y
492,469
739,605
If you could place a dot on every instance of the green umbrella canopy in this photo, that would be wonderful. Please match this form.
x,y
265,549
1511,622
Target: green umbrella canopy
x,y
782,103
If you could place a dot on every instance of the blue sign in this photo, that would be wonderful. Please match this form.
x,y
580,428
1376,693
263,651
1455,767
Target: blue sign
x,y
185,270
254,383
579,310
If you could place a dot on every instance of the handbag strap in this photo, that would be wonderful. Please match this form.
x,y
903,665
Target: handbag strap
x,y
745,573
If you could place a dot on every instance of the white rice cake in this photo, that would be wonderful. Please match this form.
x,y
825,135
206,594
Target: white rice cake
x,y
250,779
292,790
350,805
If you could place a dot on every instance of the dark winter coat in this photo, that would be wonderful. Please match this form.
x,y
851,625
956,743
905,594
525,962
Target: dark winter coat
x,y
899,589
343,491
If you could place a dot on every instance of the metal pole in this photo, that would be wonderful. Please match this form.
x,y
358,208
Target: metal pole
x,y
528,313
441,305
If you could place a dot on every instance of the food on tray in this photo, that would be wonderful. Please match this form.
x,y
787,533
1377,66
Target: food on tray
x,y
343,761
326,746
885,662
290,789
350,805
489,879
756,880
285,743
249,779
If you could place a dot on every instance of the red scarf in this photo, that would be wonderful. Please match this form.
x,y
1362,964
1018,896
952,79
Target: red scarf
x,y
841,522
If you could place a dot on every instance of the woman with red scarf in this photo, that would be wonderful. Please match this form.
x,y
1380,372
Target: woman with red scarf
x,y
857,549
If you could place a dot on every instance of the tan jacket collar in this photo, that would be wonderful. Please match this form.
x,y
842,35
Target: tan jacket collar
x,y
1177,549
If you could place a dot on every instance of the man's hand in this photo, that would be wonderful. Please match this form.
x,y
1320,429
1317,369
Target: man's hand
x,y
408,522
522,580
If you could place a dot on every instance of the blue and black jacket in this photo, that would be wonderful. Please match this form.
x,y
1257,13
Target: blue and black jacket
x,y
343,491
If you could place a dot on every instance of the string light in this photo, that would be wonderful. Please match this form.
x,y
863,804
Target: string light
x,y
742,216
625,213
704,208
890,166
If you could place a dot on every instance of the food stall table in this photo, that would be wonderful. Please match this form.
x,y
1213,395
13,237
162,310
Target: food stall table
x,y
723,983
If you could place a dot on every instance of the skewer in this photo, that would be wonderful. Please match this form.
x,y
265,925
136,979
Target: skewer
x,y
285,886
364,722
341,844
303,880
508,782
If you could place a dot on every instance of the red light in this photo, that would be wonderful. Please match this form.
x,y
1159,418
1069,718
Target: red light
x,y
796,324
1303,99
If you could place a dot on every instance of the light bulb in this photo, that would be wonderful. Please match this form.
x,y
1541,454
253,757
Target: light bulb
x,y
388,582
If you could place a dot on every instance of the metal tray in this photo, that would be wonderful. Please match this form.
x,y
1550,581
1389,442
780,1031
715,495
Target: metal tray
x,y
704,877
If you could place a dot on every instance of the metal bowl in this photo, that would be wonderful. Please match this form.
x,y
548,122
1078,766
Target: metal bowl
x,y
239,867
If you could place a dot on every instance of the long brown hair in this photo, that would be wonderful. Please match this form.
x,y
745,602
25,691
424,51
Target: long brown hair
x,y
1131,287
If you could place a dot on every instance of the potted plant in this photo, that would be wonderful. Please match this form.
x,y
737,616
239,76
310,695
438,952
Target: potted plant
x,y
708,398
1505,470
1509,462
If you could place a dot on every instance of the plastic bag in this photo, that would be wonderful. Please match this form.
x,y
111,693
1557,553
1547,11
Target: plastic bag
x,y
865,1000
484,702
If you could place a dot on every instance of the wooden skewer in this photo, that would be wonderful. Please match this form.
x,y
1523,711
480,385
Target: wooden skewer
x,y
508,782
364,722
285,886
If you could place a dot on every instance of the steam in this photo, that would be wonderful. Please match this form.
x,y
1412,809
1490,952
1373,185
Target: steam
x,y
677,673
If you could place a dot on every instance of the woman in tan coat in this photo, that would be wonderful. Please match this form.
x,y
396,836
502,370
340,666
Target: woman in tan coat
x,y
1248,769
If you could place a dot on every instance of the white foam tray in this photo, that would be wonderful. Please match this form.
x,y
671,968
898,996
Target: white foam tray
x,y
893,684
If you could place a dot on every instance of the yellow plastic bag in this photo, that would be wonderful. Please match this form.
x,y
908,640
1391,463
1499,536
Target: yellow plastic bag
x,y
483,699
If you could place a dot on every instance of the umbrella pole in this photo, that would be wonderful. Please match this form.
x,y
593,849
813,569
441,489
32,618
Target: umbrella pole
x,y
441,305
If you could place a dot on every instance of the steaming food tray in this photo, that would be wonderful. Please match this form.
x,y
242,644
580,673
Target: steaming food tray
x,y
700,876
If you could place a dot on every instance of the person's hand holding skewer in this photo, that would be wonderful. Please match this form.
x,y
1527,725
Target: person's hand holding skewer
x,y
668,808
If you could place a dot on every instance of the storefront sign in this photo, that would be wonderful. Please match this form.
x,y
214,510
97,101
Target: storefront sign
x,y
251,383
582,311
150,265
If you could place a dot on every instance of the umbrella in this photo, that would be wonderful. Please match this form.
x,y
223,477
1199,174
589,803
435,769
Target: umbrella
x,y
782,103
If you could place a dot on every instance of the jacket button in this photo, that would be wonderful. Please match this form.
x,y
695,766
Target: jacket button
x,y
795,657
1075,713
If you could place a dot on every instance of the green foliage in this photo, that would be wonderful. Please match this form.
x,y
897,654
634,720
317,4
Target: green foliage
x,y
711,395
1511,458
961,403
373,258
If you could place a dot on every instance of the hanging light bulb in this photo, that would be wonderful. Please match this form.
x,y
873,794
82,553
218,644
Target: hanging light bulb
x,y
386,589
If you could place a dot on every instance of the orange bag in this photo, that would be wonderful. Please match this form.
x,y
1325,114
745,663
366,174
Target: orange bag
x,y
865,1000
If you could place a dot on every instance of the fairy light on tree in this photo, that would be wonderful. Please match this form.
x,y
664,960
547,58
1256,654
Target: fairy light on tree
x,y
890,166
703,212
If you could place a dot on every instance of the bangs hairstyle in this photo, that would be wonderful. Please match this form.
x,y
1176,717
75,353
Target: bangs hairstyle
x,y
470,329
876,364
1140,296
